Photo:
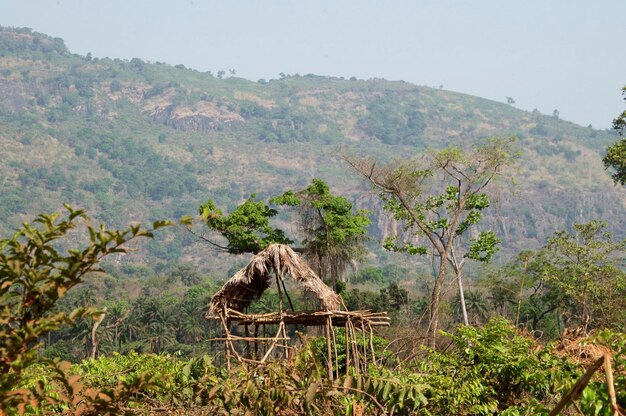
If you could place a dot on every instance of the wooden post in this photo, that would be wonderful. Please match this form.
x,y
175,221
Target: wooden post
x,y
332,330
578,387
364,346
355,349
248,350
372,343
347,346
285,341
256,344
608,371
329,352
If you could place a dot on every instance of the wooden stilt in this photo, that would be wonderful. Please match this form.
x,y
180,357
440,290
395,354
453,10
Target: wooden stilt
x,y
371,331
329,352
256,344
364,346
332,331
248,350
355,349
347,347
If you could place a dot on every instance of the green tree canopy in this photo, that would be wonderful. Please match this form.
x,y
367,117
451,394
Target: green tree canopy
x,y
615,158
408,190
583,265
247,229
334,233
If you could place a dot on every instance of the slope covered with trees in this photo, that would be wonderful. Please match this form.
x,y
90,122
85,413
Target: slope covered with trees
x,y
134,141
137,141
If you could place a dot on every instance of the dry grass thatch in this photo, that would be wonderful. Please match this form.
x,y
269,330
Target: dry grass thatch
x,y
580,347
250,282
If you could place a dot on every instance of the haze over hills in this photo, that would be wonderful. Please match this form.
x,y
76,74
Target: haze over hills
x,y
138,141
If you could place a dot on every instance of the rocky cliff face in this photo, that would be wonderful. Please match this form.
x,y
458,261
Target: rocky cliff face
x,y
199,117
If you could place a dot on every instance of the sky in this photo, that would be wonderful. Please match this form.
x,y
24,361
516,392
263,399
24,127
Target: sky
x,y
568,55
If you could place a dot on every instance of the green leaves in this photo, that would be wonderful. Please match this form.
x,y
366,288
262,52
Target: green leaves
x,y
488,370
615,160
333,231
246,229
390,244
34,276
583,266
484,247
289,198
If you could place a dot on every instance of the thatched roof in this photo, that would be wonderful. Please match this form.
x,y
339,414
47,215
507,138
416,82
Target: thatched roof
x,y
250,282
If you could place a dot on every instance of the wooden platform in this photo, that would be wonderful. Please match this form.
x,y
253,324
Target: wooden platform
x,y
362,318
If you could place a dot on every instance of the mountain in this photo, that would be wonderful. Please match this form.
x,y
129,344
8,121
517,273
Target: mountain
x,y
137,141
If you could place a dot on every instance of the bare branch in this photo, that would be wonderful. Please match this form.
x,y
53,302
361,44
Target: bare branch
x,y
206,240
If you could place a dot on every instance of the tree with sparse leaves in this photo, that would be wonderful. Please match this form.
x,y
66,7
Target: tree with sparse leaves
x,y
408,190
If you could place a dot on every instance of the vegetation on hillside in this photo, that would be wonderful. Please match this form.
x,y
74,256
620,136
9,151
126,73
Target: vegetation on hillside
x,y
132,140
97,321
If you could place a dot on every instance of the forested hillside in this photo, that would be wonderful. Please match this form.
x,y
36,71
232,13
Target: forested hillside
x,y
138,141
319,165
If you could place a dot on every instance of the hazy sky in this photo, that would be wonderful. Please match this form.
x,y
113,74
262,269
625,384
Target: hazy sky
x,y
546,54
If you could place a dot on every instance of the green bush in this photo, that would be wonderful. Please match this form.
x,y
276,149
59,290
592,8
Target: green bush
x,y
490,369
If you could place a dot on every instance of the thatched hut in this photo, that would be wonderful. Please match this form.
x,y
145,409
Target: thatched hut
x,y
248,284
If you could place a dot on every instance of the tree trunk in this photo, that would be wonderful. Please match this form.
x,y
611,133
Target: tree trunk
x,y
459,279
458,272
435,297
94,338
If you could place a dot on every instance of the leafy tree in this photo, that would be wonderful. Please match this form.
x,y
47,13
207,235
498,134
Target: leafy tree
x,y
246,229
575,275
398,297
520,291
584,266
619,124
406,188
615,158
334,233
370,274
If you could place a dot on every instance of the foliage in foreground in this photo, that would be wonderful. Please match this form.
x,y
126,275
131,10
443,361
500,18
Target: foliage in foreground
x,y
483,371
34,276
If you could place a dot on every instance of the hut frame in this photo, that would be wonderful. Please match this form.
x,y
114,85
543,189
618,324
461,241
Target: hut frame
x,y
248,284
